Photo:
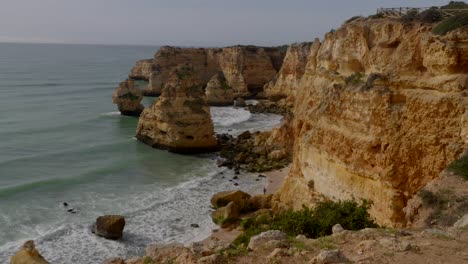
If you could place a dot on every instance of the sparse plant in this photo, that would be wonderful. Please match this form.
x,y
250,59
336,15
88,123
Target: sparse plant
x,y
455,5
409,17
451,23
355,78
431,15
460,166
313,223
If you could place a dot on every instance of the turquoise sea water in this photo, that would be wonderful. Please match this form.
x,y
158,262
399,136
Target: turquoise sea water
x,y
61,140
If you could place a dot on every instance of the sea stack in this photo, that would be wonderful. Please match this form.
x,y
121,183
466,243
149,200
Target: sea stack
x,y
128,98
180,121
218,92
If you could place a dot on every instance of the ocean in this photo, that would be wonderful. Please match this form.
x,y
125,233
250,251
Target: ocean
x,y
62,140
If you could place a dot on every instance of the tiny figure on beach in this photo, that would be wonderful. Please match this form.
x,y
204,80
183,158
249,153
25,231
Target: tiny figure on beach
x,y
264,190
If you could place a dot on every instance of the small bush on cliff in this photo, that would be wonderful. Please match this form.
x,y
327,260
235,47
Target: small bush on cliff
x,y
431,15
455,5
451,23
409,17
313,223
460,166
355,78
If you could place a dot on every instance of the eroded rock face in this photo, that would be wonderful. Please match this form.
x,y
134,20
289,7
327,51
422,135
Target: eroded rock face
x,y
128,98
379,112
246,68
180,121
286,82
218,92
28,254
142,70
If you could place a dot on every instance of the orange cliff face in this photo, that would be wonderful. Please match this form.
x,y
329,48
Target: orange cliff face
x,y
379,112
246,68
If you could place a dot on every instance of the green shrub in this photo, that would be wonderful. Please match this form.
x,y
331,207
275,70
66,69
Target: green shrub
x,y
455,5
312,223
431,15
460,167
410,16
355,78
451,23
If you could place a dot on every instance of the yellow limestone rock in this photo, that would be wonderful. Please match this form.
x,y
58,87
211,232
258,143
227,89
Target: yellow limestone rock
x,y
379,112
180,120
28,254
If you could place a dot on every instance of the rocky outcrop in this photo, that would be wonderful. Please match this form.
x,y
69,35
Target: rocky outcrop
x,y
128,98
380,111
28,254
142,70
246,68
218,92
110,226
286,82
254,152
180,121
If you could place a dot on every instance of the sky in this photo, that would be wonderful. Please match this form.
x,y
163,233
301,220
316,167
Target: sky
x,y
181,22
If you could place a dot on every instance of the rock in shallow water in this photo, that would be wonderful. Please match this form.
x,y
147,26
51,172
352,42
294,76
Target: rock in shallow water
x,y
110,226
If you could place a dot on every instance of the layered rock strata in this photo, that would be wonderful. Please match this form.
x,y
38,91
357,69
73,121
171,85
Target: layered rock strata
x,y
286,82
128,98
379,112
246,68
218,92
180,121
142,70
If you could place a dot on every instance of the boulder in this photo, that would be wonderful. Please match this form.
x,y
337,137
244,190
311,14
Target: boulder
x,y
180,121
462,222
260,201
239,102
223,198
330,256
110,226
337,229
128,98
271,238
218,92
226,215
28,254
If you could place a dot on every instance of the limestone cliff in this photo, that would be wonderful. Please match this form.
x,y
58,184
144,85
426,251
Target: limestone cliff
x,y
246,68
142,70
286,82
180,120
218,92
128,98
379,112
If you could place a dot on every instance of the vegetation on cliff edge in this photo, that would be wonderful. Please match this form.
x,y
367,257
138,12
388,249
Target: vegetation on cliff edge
x,y
312,223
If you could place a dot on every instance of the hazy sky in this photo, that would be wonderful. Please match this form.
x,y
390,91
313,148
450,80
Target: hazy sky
x,y
181,22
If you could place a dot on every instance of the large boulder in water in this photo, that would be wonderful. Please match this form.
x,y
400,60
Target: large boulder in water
x,y
28,254
110,226
218,92
180,121
128,98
